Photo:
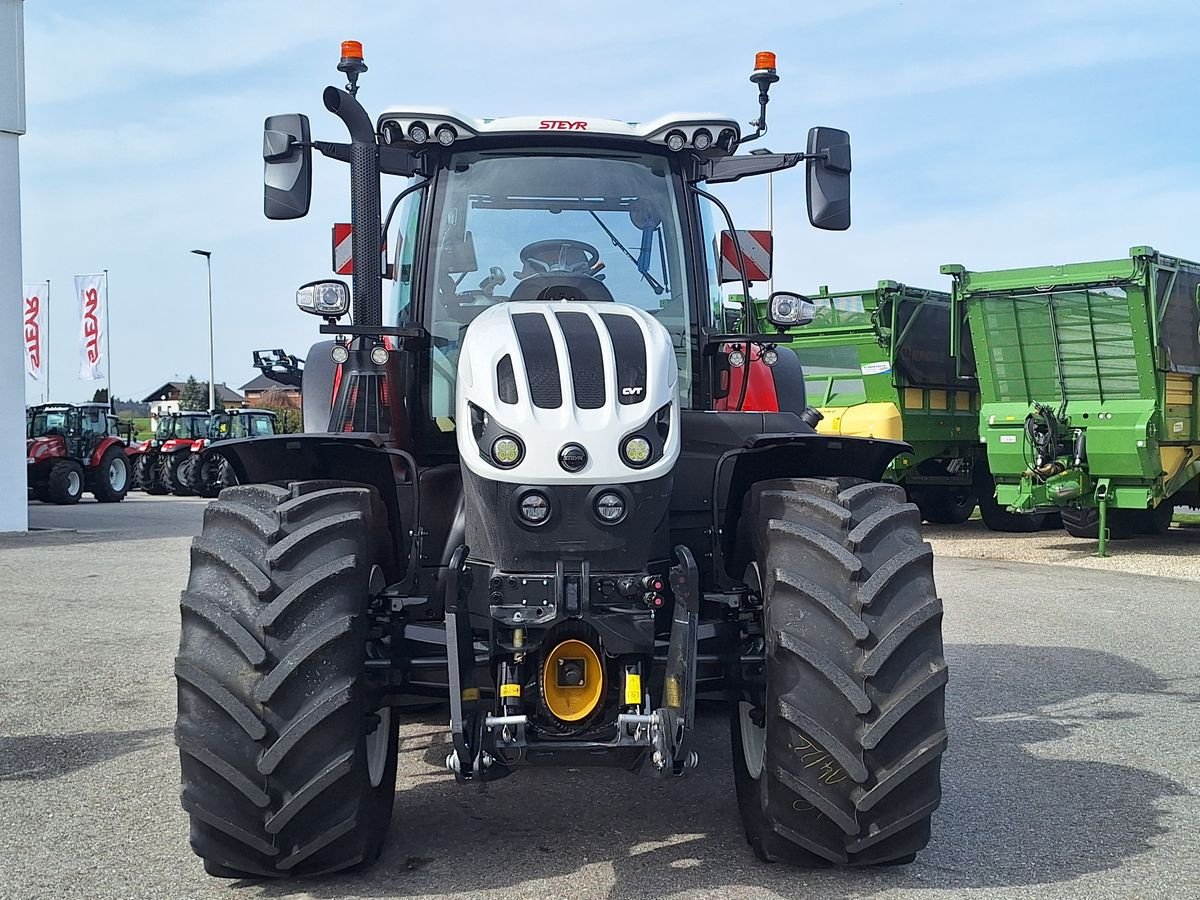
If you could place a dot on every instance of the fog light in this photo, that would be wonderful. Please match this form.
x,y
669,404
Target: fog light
x,y
535,508
379,355
702,139
610,507
418,132
506,451
675,141
737,358
636,451
339,353
446,135
770,357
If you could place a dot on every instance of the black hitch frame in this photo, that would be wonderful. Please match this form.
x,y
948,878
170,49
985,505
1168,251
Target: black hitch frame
x,y
663,733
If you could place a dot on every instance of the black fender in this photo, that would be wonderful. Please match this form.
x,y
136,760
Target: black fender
x,y
725,452
358,457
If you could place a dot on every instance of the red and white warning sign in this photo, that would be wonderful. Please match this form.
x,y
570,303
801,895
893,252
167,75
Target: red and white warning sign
x,y
756,246
343,257
343,250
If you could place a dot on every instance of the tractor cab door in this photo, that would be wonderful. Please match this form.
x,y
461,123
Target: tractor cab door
x,y
93,428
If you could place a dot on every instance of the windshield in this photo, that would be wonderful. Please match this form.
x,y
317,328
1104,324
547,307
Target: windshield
x,y
47,423
542,226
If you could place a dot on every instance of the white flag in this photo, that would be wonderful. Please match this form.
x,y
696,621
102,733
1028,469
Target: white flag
x,y
34,321
92,316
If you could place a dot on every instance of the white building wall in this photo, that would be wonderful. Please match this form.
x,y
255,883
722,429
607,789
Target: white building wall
x,y
14,510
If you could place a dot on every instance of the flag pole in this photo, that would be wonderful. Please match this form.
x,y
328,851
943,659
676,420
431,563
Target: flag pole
x,y
107,344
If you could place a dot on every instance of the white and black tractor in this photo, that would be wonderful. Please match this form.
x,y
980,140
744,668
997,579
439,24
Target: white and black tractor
x,y
529,484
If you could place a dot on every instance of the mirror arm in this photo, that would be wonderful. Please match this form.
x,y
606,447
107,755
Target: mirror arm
x,y
340,152
746,312
733,168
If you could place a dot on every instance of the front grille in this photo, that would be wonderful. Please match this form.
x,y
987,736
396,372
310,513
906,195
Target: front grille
x,y
629,351
541,362
587,362
506,381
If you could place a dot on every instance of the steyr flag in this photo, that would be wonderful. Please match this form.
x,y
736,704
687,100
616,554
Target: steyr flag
x,y
92,324
33,314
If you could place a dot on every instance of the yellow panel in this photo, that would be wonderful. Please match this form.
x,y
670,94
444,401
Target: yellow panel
x,y
877,420
914,398
510,690
1176,457
1180,391
633,689
570,703
937,399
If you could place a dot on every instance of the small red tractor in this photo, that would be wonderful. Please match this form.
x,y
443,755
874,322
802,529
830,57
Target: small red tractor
x,y
73,448
207,474
174,437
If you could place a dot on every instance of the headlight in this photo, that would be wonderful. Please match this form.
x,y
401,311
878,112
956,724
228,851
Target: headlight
x,y
379,355
418,132
534,508
609,507
702,139
636,451
675,141
737,358
330,299
506,451
446,135
339,354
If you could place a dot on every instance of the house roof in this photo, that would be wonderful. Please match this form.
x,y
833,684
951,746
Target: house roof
x,y
224,393
267,383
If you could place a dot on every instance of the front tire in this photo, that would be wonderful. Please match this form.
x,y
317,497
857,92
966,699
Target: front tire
x,y
285,768
64,485
837,752
173,474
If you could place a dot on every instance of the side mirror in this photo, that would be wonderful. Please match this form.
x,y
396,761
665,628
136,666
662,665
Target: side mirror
x,y
828,172
287,167
329,299
788,310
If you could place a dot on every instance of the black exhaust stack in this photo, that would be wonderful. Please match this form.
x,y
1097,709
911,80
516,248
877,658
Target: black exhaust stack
x,y
366,239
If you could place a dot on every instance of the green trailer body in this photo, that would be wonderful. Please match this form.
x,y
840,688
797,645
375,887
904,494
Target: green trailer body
x,y
877,364
1090,383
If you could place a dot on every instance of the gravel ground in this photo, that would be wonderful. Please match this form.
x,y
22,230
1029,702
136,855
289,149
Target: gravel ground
x,y
1175,554
1073,710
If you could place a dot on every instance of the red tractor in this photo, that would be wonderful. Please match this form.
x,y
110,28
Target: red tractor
x,y
174,437
207,474
71,449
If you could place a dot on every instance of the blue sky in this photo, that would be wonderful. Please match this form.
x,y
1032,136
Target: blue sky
x,y
989,134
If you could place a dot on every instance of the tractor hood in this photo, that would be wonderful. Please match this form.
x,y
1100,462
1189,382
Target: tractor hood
x,y
555,392
45,447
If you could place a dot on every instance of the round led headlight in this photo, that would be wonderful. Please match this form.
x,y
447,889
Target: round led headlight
x,y
534,508
770,357
392,132
506,451
636,451
418,132
446,135
339,353
572,457
675,141
609,507
379,355
702,139
737,358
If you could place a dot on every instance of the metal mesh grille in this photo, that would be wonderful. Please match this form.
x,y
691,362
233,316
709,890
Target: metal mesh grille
x,y
629,349
586,361
364,211
506,381
541,361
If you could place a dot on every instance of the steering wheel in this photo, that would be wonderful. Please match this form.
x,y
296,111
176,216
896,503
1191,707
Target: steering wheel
x,y
558,256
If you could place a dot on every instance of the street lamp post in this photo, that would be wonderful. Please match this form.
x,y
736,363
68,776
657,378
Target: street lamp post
x,y
212,385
